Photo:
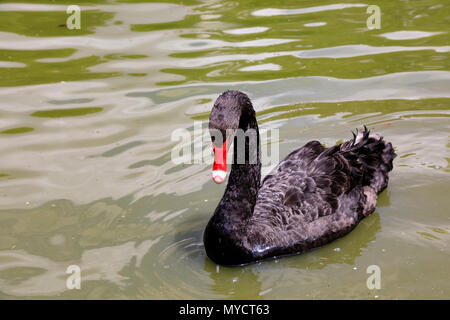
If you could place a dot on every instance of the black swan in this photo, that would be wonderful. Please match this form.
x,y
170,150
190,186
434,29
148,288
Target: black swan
x,y
314,196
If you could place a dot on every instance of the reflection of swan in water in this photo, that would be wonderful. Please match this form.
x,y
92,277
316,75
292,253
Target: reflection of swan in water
x,y
245,283
344,250
233,283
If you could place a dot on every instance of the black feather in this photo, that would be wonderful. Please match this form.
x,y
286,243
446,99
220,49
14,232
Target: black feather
x,y
315,195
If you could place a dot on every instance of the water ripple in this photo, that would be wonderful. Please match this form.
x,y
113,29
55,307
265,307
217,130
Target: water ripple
x,y
87,116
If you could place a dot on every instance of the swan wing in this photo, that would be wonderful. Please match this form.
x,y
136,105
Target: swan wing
x,y
306,196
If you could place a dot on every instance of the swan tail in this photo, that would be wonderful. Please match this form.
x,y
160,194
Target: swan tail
x,y
370,158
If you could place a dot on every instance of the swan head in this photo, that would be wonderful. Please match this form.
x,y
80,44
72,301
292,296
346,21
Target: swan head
x,y
227,115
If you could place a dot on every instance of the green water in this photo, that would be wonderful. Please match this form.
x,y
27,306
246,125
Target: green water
x,y
86,118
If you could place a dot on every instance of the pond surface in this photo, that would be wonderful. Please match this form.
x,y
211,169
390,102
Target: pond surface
x,y
86,124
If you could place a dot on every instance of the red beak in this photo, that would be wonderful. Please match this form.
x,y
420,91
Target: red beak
x,y
220,163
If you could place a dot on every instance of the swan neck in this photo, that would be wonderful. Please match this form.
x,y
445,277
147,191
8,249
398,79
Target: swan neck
x,y
245,176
